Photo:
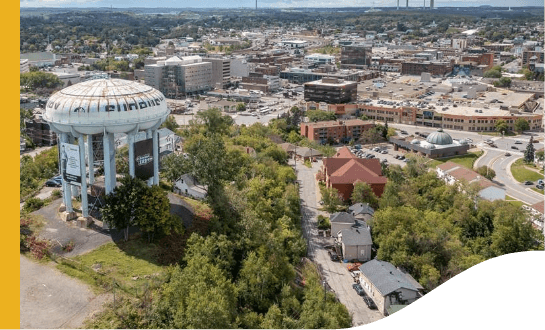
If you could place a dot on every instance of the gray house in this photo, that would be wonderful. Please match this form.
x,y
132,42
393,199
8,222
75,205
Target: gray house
x,y
361,211
340,221
388,285
356,242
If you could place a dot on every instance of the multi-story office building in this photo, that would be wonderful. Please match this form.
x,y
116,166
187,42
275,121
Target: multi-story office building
x,y
528,55
221,71
177,77
435,68
337,131
355,56
331,90
261,82
40,132
318,59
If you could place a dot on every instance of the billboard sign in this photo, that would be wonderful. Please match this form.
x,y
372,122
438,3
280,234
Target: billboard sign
x,y
143,159
70,163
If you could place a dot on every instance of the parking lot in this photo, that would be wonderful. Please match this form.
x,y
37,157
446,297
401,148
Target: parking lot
x,y
383,152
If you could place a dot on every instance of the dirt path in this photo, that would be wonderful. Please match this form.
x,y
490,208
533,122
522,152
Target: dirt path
x,y
51,299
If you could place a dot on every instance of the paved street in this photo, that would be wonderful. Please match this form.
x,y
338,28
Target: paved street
x,y
51,299
335,273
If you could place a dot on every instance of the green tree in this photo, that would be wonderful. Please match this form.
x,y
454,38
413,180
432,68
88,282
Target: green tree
x,y
363,193
39,79
501,126
199,297
540,155
521,125
153,213
503,82
122,204
213,122
495,72
371,135
529,153
332,199
241,106
320,115
486,172
173,166
385,131
170,123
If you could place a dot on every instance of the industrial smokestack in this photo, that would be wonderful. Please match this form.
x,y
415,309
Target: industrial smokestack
x,y
407,4
255,4
431,4
397,4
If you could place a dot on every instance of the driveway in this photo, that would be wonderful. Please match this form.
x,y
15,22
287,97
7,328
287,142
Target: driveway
x,y
51,299
335,273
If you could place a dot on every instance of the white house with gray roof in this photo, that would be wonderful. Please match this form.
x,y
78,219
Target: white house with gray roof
x,y
340,221
388,285
356,242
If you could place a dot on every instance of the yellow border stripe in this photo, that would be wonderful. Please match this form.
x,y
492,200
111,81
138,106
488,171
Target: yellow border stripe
x,y
9,304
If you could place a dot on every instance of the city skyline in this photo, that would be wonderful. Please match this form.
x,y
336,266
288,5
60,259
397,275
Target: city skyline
x,y
268,3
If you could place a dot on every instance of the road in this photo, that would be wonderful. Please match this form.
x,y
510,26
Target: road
x,y
335,273
51,299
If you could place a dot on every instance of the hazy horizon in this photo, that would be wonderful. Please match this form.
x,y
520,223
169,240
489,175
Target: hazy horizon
x,y
269,4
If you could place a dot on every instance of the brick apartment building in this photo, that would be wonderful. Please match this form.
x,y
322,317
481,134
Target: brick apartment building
x,y
344,170
435,68
337,131
480,59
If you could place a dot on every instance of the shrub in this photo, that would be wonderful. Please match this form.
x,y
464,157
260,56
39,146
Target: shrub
x,y
32,204
56,194
323,222
38,248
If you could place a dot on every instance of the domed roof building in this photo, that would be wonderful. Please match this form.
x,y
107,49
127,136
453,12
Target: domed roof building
x,y
439,138
437,145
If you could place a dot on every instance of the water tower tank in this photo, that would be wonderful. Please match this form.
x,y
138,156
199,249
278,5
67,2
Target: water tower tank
x,y
111,105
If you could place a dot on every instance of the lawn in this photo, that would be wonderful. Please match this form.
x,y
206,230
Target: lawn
x,y
466,160
131,265
514,201
521,173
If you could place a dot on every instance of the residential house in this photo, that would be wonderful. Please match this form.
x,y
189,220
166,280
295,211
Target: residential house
x,y
452,172
187,185
343,173
356,242
340,221
304,153
289,148
361,211
387,285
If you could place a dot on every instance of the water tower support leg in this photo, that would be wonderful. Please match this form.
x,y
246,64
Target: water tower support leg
x,y
90,159
130,140
84,203
66,188
107,164
155,157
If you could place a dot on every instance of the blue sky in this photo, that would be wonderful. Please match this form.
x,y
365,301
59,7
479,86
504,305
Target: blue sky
x,y
267,3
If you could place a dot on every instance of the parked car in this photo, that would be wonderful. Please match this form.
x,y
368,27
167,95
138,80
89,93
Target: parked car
x,y
528,183
405,160
514,147
518,142
358,289
369,302
384,152
404,132
495,146
333,255
507,154
401,157
539,186
53,183
540,181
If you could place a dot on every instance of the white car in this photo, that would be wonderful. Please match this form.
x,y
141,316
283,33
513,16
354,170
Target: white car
x,y
384,152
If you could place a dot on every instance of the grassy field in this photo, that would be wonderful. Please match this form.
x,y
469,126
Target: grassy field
x,y
521,173
514,201
131,265
466,160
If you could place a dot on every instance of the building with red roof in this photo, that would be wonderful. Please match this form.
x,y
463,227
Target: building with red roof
x,y
344,169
